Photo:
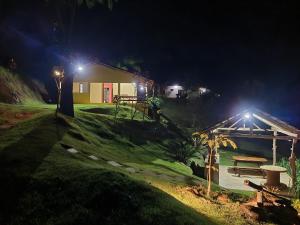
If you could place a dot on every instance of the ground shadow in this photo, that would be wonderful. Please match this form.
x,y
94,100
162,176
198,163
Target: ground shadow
x,y
19,160
106,111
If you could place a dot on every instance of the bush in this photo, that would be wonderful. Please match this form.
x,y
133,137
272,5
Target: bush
x,y
185,152
284,162
197,169
154,102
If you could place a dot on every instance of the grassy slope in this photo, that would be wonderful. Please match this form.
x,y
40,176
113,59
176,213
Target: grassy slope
x,y
52,186
14,90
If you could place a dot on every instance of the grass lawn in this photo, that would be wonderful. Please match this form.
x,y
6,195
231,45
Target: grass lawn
x,y
43,183
227,154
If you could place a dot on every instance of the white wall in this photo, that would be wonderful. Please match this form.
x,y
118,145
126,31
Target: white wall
x,y
172,91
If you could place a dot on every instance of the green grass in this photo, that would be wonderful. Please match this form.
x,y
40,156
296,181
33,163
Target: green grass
x,y
14,89
227,154
42,183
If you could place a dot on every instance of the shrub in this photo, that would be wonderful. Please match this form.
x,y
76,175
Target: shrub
x,y
284,162
185,152
154,102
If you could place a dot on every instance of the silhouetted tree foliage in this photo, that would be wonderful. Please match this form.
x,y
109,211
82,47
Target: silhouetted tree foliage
x,y
62,28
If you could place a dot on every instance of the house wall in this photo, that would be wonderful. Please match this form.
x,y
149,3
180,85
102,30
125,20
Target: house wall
x,y
123,83
81,98
75,87
96,92
105,74
128,89
116,89
172,91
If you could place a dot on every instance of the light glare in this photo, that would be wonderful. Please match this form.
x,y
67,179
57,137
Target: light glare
x,y
247,116
56,73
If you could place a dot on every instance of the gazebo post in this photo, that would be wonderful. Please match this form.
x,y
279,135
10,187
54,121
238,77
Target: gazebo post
x,y
293,146
292,162
274,147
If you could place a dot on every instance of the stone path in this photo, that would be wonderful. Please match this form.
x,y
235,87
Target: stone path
x,y
72,150
112,163
130,170
232,181
93,157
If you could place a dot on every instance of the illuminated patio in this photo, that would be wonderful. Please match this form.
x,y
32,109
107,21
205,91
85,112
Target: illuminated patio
x,y
256,124
232,181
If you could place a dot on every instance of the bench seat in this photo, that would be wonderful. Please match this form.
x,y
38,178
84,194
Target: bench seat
x,y
239,169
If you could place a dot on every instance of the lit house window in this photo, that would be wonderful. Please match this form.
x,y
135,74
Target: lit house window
x,y
83,88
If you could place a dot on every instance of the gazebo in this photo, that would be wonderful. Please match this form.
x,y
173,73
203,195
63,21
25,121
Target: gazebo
x,y
258,124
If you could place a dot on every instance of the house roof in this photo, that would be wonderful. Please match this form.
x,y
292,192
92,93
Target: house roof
x,y
105,73
237,126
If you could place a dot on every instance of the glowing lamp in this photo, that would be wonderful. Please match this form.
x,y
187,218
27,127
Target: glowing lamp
x,y
247,115
57,73
80,68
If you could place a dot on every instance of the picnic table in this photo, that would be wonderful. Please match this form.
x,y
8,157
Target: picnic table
x,y
249,159
273,174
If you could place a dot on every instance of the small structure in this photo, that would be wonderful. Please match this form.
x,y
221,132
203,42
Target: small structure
x,y
257,124
173,91
203,91
99,83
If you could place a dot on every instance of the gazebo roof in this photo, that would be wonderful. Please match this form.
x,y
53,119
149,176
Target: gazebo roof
x,y
255,123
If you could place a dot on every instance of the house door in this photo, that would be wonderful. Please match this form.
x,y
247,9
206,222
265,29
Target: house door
x,y
107,92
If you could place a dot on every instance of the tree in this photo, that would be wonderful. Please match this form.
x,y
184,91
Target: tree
x,y
130,63
213,142
65,15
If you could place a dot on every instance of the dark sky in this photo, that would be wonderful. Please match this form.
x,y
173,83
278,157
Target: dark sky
x,y
242,49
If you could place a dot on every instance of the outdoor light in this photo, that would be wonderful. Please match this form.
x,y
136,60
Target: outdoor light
x,y
58,74
79,68
141,88
175,86
247,116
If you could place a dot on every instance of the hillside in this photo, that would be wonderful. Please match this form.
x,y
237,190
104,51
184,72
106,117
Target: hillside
x,y
95,170
13,89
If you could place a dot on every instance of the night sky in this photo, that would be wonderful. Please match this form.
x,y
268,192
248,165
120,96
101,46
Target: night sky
x,y
249,51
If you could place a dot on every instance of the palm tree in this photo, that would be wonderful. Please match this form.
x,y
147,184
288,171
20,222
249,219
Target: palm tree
x,y
213,142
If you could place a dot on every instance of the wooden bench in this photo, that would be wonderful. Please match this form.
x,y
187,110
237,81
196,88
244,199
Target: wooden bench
x,y
249,159
239,169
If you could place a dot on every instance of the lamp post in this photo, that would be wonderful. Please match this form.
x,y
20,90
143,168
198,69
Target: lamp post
x,y
58,74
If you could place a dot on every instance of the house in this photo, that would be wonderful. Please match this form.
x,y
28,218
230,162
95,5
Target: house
x,y
181,92
99,83
203,90
173,91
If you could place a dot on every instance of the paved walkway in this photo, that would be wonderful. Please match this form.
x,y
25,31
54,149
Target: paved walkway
x,y
231,181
